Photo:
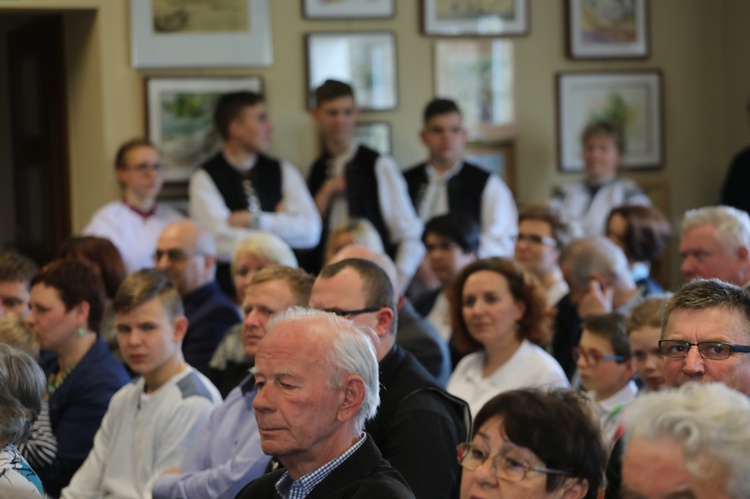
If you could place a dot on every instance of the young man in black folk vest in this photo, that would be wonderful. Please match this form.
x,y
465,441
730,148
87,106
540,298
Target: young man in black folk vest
x,y
241,189
351,180
447,183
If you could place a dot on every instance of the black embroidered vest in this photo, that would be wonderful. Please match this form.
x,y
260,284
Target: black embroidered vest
x,y
265,176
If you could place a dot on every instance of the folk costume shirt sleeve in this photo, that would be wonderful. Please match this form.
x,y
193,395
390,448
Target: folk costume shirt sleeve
x,y
298,223
499,220
400,218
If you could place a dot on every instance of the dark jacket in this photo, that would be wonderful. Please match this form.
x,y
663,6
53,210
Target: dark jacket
x,y
364,475
418,336
76,410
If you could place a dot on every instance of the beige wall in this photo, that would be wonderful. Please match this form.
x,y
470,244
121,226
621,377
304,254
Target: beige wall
x,y
700,46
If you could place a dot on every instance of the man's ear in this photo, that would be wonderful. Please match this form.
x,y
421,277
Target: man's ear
x,y
385,319
575,488
314,114
180,325
352,397
743,253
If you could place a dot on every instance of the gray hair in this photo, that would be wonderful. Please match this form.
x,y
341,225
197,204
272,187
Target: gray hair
x,y
22,385
595,255
352,351
264,245
362,231
708,420
732,225
702,294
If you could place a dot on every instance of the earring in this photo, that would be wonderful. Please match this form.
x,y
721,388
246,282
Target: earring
x,y
81,331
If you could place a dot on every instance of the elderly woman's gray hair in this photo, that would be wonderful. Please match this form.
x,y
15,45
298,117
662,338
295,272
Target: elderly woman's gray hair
x,y
708,420
264,245
21,394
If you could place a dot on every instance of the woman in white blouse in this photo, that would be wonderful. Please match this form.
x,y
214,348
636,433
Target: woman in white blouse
x,y
500,311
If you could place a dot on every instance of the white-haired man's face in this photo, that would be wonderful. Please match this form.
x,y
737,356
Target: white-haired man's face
x,y
656,469
703,257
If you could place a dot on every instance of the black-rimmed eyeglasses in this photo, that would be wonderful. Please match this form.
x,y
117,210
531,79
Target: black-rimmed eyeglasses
x,y
351,313
711,350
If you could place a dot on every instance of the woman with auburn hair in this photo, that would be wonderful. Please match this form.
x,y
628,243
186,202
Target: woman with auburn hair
x,y
67,300
499,312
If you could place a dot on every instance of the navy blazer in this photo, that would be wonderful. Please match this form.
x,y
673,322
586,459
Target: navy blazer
x,y
210,314
76,410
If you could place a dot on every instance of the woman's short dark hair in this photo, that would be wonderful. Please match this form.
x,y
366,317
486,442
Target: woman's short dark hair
x,y
558,426
75,281
457,226
647,232
103,255
22,387
524,287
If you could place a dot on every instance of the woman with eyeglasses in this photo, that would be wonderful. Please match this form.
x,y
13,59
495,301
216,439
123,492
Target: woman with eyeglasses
x,y
499,311
66,303
533,444
134,223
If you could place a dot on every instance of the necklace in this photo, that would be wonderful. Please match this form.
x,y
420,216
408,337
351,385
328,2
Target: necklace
x,y
57,379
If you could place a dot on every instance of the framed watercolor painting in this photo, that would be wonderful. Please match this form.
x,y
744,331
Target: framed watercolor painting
x,y
179,113
180,34
607,29
475,18
479,76
631,100
375,135
348,9
365,60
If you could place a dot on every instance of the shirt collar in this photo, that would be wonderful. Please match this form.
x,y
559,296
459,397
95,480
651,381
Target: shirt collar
x,y
303,486
143,214
434,174
242,167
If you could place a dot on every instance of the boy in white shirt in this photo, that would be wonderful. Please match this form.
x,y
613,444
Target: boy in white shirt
x,y
152,422
606,369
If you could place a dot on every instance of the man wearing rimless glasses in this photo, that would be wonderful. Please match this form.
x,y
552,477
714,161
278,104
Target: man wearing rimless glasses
x,y
706,335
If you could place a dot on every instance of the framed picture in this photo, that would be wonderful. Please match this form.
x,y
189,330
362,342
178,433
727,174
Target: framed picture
x,y
180,34
607,29
365,60
348,9
477,18
479,76
179,113
496,158
375,135
629,99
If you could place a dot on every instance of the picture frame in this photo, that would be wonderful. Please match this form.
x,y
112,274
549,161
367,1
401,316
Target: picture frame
x,y
632,100
483,18
178,34
480,76
179,118
366,60
497,158
606,29
375,135
349,9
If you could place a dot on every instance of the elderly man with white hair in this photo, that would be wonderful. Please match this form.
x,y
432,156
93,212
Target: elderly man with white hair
x,y
715,243
186,251
691,443
317,381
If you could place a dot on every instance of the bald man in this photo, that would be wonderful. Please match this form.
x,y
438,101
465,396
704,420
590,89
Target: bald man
x,y
413,333
186,251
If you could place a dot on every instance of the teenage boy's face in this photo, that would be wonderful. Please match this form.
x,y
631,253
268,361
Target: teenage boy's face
x,y
147,338
14,298
600,157
445,257
445,138
337,118
605,377
253,129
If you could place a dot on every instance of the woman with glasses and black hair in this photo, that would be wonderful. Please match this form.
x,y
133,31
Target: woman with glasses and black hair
x,y
533,444
134,223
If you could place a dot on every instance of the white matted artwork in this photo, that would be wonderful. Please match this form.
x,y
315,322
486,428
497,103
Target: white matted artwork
x,y
607,29
631,100
180,118
365,60
209,34
375,135
479,76
475,18
348,9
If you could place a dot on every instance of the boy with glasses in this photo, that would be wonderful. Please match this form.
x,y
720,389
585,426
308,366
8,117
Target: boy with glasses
x,y
606,369
134,223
